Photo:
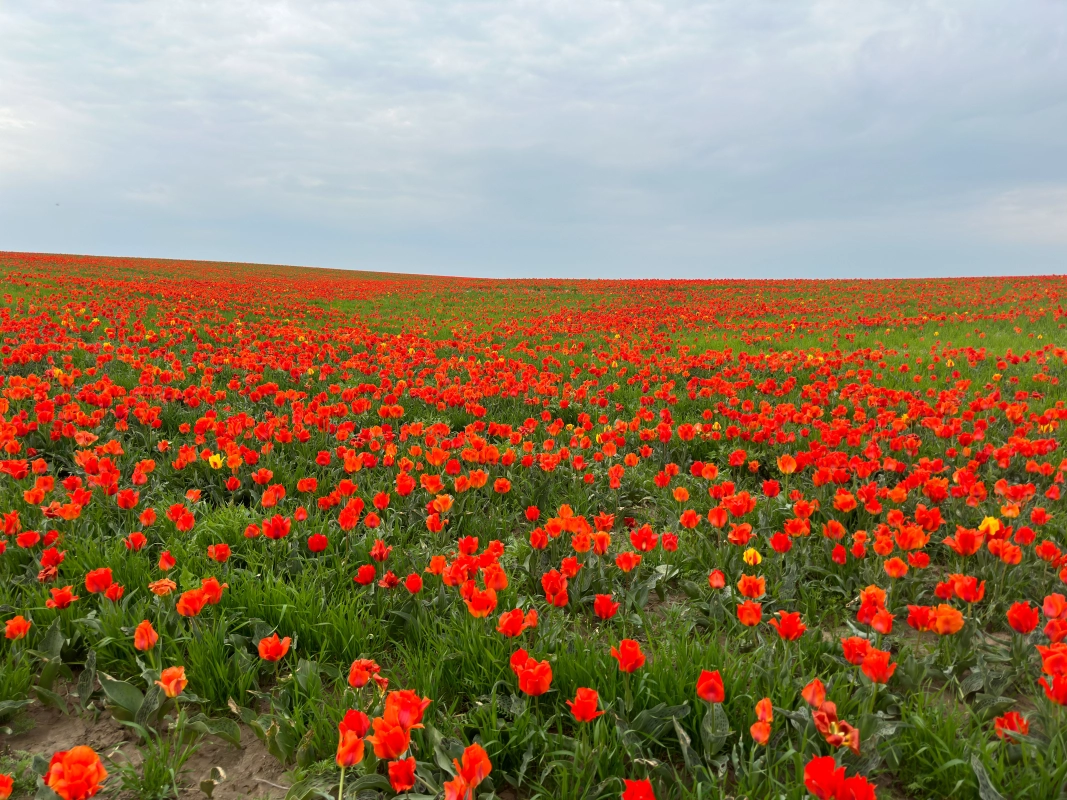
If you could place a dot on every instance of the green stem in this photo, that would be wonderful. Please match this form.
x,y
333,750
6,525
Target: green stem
x,y
341,786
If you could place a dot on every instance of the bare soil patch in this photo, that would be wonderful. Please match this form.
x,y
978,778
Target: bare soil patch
x,y
251,772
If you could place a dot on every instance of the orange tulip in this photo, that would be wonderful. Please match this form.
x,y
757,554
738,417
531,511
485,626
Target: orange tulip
x,y
162,587
789,625
192,602
814,693
75,774
535,677
752,587
361,672
145,636
61,598
172,681
749,614
946,620
350,749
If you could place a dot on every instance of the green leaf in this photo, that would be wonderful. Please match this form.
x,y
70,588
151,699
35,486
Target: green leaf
x,y
639,598
526,759
692,760
789,586
87,680
260,630
284,740
121,694
631,742
149,706
305,671
986,791
443,760
222,727
866,764
988,706
305,751
52,643
714,730
310,789
11,706
972,683
50,698
49,673
369,783
654,721
692,590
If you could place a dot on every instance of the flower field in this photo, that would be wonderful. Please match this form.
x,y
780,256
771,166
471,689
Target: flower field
x,y
438,537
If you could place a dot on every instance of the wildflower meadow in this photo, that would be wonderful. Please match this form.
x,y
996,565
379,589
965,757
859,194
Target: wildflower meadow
x,y
427,537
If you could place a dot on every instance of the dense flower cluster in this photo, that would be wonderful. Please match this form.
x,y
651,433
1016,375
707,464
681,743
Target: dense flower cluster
x,y
695,523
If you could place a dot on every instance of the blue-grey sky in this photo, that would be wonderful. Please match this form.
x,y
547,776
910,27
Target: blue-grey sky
x,y
587,138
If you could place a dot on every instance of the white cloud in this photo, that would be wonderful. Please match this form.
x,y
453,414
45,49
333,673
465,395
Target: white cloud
x,y
423,129
1032,215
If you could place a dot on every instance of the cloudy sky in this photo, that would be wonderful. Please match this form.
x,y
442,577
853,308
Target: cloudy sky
x,y
731,138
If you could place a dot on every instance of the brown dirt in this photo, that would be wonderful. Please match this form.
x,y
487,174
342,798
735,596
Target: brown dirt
x,y
251,772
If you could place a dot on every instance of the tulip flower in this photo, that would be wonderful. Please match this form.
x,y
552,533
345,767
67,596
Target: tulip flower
x,y
604,607
789,625
75,774
172,681
710,687
271,648
629,655
749,613
584,705
17,627
402,774
145,636
638,790
1011,722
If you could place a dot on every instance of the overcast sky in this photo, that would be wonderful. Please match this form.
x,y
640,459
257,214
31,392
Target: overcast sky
x,y
802,138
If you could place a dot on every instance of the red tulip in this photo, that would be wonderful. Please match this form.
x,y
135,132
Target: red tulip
x,y
271,648
1011,722
638,790
584,705
629,655
604,607
877,667
98,580
789,625
710,687
402,774
823,778
17,627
